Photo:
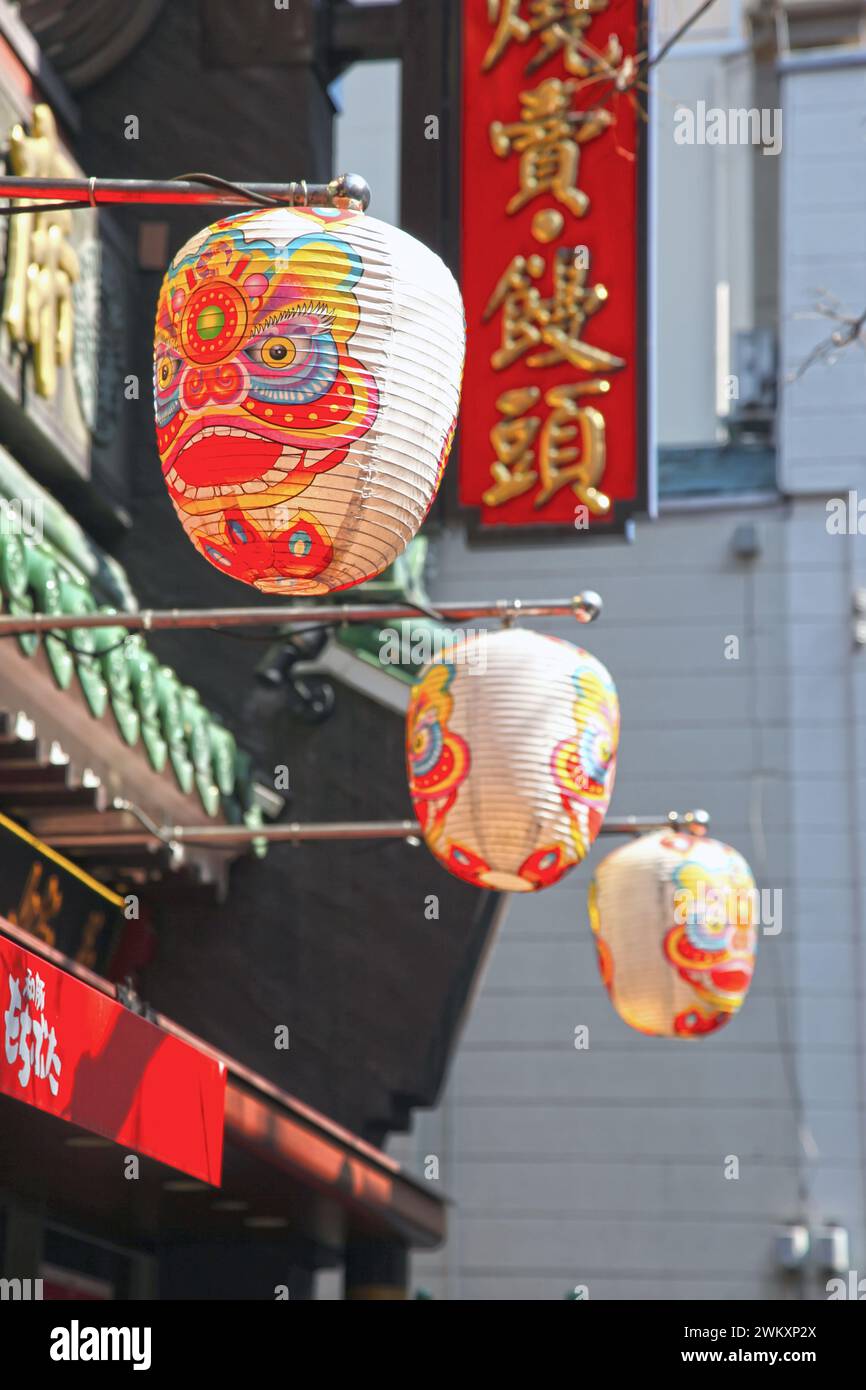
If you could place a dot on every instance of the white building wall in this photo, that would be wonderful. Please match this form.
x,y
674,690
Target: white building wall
x,y
704,238
823,255
606,1167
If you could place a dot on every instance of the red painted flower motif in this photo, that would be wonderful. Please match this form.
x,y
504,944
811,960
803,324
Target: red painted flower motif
x,y
693,1023
545,866
243,551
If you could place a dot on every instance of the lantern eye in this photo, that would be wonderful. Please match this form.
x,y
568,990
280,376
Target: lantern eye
x,y
276,352
287,335
166,370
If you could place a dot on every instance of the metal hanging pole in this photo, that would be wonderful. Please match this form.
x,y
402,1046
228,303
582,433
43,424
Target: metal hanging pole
x,y
693,821
346,190
584,607
297,832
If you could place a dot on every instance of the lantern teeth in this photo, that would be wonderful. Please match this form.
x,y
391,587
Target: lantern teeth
x,y
308,368
511,750
674,920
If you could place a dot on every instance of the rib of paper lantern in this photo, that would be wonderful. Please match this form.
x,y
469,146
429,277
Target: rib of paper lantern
x,y
441,337
396,495
375,532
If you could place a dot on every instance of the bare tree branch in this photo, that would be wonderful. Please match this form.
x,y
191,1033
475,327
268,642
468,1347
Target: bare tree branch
x,y
626,72
852,329
678,33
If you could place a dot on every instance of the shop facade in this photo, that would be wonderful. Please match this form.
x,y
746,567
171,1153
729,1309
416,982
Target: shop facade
x,y
318,991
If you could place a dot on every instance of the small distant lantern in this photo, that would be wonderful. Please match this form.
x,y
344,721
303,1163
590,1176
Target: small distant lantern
x,y
673,917
307,380
511,753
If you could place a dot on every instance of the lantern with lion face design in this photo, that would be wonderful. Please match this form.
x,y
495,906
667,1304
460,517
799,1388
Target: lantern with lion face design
x,y
673,917
511,750
307,380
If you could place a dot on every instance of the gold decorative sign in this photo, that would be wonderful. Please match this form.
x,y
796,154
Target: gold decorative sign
x,y
42,265
549,257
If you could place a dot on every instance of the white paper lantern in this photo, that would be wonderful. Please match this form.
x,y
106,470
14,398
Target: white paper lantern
x,y
673,916
511,751
307,380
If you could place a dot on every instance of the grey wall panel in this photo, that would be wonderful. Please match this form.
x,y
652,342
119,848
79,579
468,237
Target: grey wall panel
x,y
823,249
623,1146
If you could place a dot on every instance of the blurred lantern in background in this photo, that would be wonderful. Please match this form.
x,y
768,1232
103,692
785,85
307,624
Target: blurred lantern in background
x,y
674,922
307,380
511,748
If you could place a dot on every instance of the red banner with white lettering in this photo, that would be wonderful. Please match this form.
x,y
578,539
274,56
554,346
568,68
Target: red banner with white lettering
x,y
71,1051
551,428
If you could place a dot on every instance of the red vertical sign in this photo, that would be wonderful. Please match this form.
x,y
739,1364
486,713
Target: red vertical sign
x,y
550,428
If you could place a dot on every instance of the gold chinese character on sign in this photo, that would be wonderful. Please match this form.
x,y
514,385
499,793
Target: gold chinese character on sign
x,y
558,25
527,449
560,463
505,14
41,263
548,137
512,439
549,329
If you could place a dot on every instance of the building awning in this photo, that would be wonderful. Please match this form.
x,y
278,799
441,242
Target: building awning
x,y
285,1166
75,1052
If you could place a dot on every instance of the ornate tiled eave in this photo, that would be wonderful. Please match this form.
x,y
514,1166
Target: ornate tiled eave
x,y
93,716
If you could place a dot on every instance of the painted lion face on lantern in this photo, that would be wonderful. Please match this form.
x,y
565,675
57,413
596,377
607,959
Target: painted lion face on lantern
x,y
258,395
511,759
712,944
673,916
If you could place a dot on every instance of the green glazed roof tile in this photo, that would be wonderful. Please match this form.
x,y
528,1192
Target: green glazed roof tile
x,y
59,569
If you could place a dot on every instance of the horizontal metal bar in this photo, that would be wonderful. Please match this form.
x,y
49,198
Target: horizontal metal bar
x,y
584,607
696,821
396,830
297,832
346,190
